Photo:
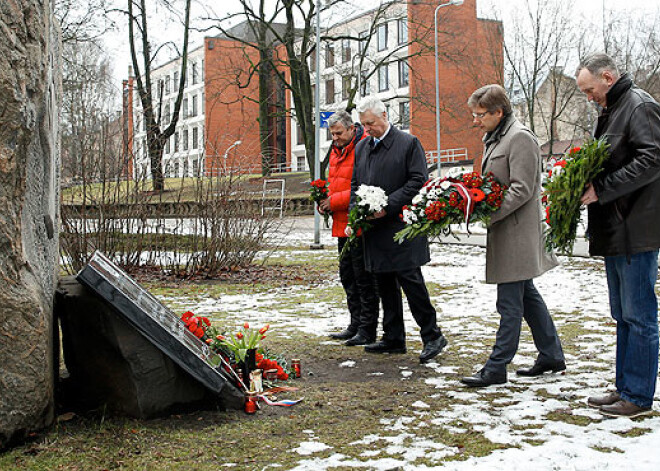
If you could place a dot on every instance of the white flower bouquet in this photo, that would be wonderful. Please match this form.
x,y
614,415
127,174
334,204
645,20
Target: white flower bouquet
x,y
369,200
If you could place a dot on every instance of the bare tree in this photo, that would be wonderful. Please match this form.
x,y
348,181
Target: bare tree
x,y
539,49
152,107
633,39
91,135
256,33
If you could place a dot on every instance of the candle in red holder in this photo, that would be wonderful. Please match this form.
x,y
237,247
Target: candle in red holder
x,y
295,363
251,403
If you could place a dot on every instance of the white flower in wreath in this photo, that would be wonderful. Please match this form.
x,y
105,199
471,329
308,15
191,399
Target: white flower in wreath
x,y
418,198
556,171
433,194
445,185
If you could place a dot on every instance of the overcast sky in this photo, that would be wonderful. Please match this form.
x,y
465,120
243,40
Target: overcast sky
x,y
161,28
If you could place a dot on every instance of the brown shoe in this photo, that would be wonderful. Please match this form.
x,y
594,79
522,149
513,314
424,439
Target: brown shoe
x,y
607,400
623,408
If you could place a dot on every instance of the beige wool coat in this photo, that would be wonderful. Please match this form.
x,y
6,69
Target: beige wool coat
x,y
515,248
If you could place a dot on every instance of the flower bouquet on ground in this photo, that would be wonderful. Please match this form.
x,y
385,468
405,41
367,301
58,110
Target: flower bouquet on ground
x,y
318,192
565,186
443,201
368,201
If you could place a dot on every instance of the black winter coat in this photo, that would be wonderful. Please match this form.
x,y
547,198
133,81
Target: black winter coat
x,y
398,166
626,218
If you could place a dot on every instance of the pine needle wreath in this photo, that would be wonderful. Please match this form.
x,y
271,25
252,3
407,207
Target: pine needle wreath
x,y
564,189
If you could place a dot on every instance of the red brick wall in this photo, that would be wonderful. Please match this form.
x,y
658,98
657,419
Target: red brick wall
x,y
231,91
470,54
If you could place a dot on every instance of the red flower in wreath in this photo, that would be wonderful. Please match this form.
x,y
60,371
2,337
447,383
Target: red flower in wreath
x,y
477,194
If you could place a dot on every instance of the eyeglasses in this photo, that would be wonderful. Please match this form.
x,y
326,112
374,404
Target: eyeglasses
x,y
480,115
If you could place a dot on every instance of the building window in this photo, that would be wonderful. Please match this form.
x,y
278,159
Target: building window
x,y
185,108
365,89
329,55
301,163
176,81
381,40
402,30
166,115
362,43
404,115
168,88
185,139
185,168
195,167
195,138
403,74
176,169
176,141
299,135
167,146
346,83
346,50
194,105
328,134
195,75
329,91
383,78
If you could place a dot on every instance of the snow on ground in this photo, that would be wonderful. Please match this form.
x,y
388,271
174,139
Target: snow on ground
x,y
516,413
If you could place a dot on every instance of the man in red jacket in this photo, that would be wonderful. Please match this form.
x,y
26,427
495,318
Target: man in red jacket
x,y
360,285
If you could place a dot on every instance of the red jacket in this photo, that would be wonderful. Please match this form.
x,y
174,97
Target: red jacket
x,y
339,179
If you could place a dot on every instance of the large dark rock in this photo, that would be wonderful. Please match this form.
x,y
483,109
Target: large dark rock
x,y
29,211
110,364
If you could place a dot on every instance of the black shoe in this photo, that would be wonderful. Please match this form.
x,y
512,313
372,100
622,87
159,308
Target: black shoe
x,y
432,349
383,346
343,335
358,339
539,368
483,378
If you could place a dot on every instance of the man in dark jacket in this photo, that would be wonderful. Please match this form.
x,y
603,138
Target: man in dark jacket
x,y
395,161
624,210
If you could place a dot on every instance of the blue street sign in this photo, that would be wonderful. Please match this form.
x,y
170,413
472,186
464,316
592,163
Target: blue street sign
x,y
324,118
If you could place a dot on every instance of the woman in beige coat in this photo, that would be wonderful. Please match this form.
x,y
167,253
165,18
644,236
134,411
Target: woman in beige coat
x,y
515,249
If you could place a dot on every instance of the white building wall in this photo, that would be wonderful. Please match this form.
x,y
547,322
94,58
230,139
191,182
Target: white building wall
x,y
185,157
393,95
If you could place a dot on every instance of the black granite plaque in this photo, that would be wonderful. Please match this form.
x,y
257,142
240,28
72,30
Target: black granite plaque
x,y
155,321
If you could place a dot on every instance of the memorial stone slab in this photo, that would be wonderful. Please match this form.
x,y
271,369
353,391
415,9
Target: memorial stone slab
x,y
162,344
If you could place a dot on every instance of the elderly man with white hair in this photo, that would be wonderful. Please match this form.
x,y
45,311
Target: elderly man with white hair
x,y
395,161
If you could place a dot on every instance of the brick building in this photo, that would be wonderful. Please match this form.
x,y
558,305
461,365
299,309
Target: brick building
x,y
218,128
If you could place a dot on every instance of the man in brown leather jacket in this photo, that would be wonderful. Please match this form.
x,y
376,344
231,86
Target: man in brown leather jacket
x,y
624,210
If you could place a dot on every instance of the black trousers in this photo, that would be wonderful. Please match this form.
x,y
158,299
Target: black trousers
x,y
517,301
412,282
361,290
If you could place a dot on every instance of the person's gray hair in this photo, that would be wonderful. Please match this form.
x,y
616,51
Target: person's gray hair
x,y
371,103
340,117
597,63
491,97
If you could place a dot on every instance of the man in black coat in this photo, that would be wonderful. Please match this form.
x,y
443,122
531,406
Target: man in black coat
x,y
395,161
624,210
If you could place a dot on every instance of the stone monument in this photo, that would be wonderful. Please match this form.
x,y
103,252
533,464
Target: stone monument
x,y
30,90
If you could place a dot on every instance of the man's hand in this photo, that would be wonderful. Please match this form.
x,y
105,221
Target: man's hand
x,y
324,206
348,231
377,215
589,196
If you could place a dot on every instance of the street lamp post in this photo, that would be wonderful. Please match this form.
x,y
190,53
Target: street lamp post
x,y
224,158
437,78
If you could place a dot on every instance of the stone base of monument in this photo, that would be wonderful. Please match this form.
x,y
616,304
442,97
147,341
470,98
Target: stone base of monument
x,y
111,365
